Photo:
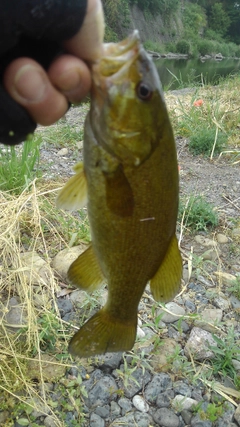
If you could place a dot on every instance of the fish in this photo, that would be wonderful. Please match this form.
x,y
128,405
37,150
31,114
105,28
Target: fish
x,y
129,179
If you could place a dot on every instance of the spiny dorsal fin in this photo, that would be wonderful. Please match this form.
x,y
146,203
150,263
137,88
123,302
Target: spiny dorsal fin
x,y
73,195
85,272
166,282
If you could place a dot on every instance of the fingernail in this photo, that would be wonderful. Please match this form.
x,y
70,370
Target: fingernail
x,y
69,81
30,83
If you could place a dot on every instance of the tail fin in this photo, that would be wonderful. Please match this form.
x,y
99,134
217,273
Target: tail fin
x,y
103,333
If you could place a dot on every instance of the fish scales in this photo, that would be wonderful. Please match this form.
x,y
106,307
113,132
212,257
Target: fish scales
x,y
131,173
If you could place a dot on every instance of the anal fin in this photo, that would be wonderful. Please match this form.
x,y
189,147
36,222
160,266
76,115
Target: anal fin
x,y
166,282
85,272
73,195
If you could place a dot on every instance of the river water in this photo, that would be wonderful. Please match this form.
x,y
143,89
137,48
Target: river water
x,y
178,73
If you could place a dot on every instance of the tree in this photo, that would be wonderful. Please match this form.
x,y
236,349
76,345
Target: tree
x,y
219,20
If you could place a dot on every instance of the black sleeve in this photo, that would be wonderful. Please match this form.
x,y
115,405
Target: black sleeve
x,y
33,28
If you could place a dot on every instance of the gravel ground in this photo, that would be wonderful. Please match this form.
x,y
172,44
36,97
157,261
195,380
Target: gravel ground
x,y
158,385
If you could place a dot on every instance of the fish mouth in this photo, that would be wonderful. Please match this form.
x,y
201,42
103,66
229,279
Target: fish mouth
x,y
116,58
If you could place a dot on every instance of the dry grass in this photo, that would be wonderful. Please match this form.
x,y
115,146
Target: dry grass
x,y
22,222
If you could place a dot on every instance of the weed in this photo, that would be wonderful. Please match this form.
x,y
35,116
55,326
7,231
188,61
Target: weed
x,y
197,214
235,287
225,350
19,165
204,139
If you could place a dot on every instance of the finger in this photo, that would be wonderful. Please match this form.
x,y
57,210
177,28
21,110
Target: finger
x,y
87,43
71,76
28,84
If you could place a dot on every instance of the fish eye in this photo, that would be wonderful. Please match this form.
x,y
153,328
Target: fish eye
x,y
144,92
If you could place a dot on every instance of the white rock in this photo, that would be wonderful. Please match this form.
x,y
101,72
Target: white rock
x,y
198,344
62,152
204,241
140,333
140,403
222,302
181,402
226,279
35,269
209,318
65,258
176,311
221,238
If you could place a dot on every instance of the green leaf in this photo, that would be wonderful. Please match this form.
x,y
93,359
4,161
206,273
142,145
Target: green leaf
x,y
23,422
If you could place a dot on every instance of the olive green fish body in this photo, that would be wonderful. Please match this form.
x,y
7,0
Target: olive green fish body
x,y
131,174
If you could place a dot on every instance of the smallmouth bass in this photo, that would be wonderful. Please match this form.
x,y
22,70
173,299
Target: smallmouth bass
x,y
130,181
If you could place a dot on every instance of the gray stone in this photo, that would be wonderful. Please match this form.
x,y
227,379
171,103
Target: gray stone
x,y
222,302
96,421
115,410
64,306
95,377
190,305
164,399
102,392
160,383
176,311
197,422
205,282
50,422
135,384
181,388
186,416
209,317
143,419
198,344
109,361
102,411
15,317
235,303
125,404
126,421
166,418
237,415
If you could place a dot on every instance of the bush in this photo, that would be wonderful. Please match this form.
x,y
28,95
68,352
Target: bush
x,y
202,140
205,47
197,214
183,47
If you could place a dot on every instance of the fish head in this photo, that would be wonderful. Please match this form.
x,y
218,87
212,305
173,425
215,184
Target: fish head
x,y
128,112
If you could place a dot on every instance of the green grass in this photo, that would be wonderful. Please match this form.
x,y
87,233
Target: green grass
x,y
19,165
197,214
207,141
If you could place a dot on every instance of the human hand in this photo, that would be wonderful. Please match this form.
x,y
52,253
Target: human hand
x,y
46,94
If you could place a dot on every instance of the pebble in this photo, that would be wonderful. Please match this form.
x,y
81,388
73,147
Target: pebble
x,y
160,383
235,303
198,344
102,392
226,279
125,404
222,303
236,232
115,410
176,312
181,403
62,152
164,399
206,282
182,388
50,422
136,383
15,317
103,411
236,415
140,404
221,238
96,421
166,418
142,420
209,318
62,261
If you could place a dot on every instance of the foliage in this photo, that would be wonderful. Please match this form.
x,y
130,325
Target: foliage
x,y
164,7
18,165
183,46
153,46
203,139
197,214
219,20
205,47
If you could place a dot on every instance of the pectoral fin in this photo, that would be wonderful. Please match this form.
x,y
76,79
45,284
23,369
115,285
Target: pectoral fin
x,y
85,272
166,282
73,196
119,193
